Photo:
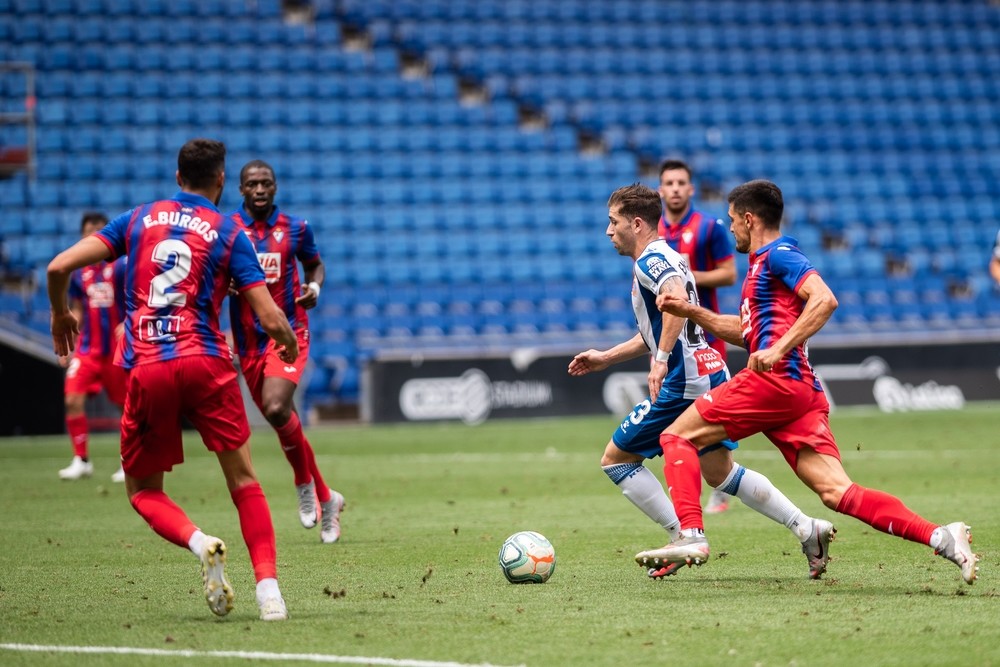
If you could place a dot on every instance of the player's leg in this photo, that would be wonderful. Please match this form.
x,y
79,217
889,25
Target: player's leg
x,y
718,501
759,493
825,475
151,444
115,381
80,380
216,410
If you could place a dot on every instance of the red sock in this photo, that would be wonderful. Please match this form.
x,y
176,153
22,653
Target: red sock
x,y
322,490
886,513
682,471
294,444
258,531
78,432
163,515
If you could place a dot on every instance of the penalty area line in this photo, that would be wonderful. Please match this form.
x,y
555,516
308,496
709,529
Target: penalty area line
x,y
248,655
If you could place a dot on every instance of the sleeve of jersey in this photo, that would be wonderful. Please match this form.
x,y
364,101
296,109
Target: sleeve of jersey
x,y
114,233
790,265
244,265
308,252
654,270
996,247
719,242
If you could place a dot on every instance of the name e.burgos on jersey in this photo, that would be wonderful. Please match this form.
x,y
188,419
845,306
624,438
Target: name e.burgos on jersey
x,y
184,221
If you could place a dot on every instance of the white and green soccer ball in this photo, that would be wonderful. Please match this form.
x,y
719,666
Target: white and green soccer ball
x,y
526,557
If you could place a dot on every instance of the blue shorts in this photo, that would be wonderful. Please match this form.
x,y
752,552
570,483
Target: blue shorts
x,y
639,433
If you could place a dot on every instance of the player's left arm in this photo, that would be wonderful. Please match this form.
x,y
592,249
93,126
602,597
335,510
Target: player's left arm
x,y
315,275
995,262
313,269
820,303
670,329
65,325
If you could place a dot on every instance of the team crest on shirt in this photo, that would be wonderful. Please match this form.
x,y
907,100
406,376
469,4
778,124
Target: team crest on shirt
x,y
687,236
278,234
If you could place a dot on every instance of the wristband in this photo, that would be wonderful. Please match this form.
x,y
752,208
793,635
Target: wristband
x,y
662,356
314,286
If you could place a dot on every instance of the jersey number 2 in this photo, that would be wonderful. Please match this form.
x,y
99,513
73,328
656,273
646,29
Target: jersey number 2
x,y
165,251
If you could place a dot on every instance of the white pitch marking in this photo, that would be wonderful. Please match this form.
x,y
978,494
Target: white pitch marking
x,y
249,655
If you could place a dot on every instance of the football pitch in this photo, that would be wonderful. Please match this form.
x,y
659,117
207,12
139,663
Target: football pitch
x,y
415,580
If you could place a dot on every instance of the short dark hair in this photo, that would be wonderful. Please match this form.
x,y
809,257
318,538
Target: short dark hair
x,y
256,164
200,161
637,201
92,216
673,163
760,197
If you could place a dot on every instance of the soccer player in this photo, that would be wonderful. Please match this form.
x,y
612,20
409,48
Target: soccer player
x,y
683,368
282,240
784,303
183,254
704,243
97,301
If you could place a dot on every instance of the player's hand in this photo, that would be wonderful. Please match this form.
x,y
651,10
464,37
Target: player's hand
x,y
762,361
657,371
308,299
667,302
587,362
288,353
232,289
65,330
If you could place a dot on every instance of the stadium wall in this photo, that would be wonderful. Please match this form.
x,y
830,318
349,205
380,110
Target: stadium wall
x,y
526,383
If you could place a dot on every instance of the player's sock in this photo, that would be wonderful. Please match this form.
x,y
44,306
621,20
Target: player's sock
x,y
78,434
682,471
758,493
294,445
886,513
323,494
258,531
644,491
267,588
196,543
164,516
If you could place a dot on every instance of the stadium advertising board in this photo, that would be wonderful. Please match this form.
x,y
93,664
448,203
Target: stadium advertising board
x,y
525,383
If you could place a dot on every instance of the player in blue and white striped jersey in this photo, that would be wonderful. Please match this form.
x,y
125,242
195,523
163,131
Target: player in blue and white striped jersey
x,y
683,367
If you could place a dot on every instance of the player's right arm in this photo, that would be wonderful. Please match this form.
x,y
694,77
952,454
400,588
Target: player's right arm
x,y
995,261
65,325
597,360
726,327
273,321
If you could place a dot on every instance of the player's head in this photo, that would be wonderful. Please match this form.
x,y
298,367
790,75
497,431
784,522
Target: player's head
x,y
676,187
754,203
258,185
201,167
91,222
633,215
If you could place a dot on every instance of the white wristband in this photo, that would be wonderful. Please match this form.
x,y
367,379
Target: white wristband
x,y
314,286
662,356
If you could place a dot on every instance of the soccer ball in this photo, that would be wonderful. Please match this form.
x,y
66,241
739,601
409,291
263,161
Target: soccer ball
x,y
526,557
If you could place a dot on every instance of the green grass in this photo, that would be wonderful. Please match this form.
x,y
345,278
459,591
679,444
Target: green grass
x,y
415,575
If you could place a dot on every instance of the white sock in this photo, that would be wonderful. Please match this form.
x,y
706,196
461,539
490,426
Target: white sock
x,y
266,589
758,493
936,537
645,492
196,543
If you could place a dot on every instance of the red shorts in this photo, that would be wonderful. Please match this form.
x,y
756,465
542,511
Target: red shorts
x,y
269,365
203,389
790,413
89,373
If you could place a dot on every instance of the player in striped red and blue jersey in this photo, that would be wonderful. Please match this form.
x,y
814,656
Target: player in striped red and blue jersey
x,y
705,243
282,241
784,302
97,299
183,254
683,368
